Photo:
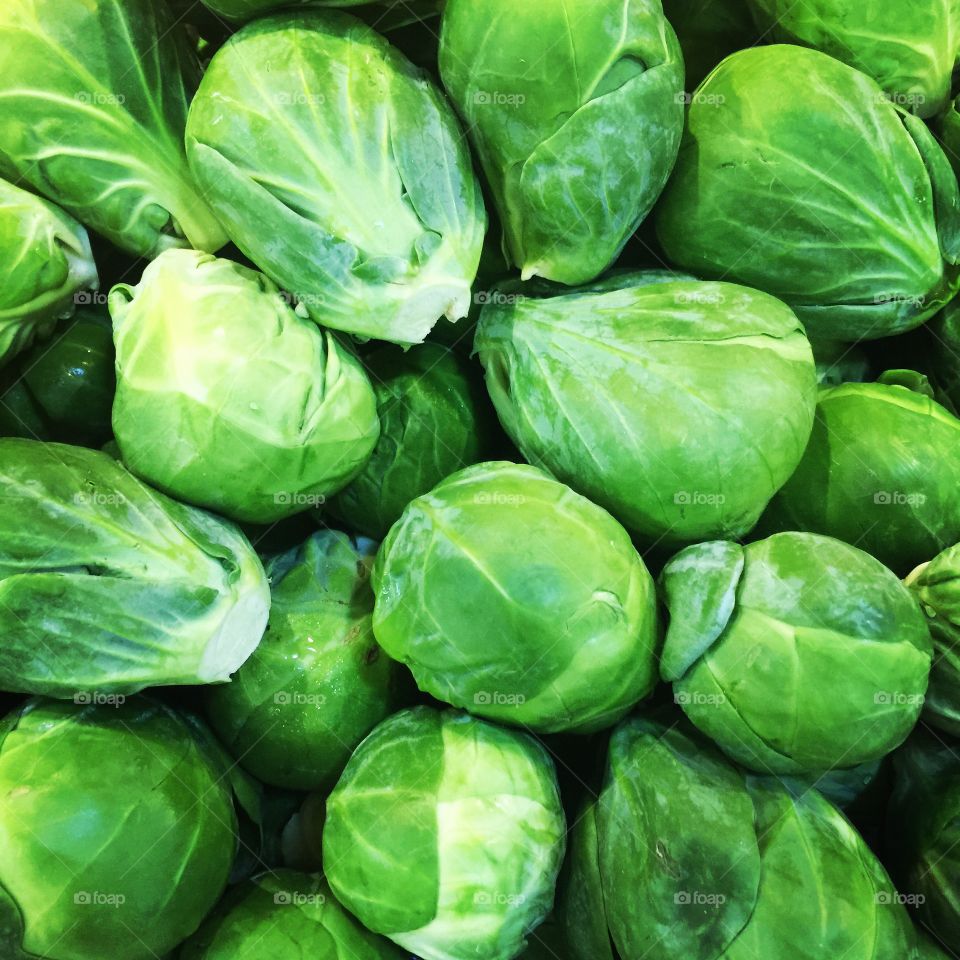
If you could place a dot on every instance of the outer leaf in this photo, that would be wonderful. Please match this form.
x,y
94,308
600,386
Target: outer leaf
x,y
94,95
45,263
108,587
339,169
578,135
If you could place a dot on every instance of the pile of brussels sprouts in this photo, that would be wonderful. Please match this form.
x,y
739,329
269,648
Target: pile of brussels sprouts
x,y
479,480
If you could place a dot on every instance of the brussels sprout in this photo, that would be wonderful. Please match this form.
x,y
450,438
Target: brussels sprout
x,y
922,835
318,682
680,406
796,653
433,413
45,264
799,177
944,349
708,31
880,472
684,856
116,828
108,587
287,916
469,835
95,96
937,586
63,389
576,120
227,398
909,49
339,169
510,595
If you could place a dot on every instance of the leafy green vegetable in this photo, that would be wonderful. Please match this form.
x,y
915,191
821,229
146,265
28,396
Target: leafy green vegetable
x,y
108,587
567,107
924,813
797,176
937,587
910,49
229,399
62,389
880,472
796,654
94,94
104,806
339,169
680,406
511,596
318,683
46,266
289,916
433,421
470,835
687,857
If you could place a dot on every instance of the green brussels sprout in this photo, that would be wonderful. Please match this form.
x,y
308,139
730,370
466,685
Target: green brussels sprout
x,y
116,827
469,835
511,596
287,916
63,389
943,347
798,176
339,169
108,587
433,414
796,654
936,585
708,31
47,265
880,472
922,832
95,96
228,399
909,49
683,856
680,406
576,120
318,682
